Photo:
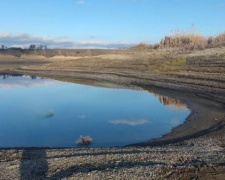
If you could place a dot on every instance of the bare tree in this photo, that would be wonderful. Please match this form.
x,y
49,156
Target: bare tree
x,y
32,47
45,47
40,47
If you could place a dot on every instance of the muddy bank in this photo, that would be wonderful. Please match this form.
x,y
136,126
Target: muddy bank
x,y
206,116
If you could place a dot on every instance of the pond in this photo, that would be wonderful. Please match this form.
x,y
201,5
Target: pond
x,y
39,112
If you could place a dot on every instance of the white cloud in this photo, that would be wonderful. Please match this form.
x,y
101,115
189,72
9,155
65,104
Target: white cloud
x,y
24,40
129,122
220,5
101,44
132,0
80,2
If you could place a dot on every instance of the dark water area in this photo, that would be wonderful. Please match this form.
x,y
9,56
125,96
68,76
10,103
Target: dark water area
x,y
39,112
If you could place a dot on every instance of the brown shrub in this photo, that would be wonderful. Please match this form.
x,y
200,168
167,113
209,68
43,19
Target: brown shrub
x,y
216,41
143,46
184,40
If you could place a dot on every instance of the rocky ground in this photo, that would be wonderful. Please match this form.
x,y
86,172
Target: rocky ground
x,y
199,158
198,149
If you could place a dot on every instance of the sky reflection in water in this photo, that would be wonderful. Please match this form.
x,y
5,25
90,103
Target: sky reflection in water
x,y
44,112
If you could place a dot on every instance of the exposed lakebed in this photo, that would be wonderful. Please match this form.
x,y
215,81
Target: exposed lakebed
x,y
39,112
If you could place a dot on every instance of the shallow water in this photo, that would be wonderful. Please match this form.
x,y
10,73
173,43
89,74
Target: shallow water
x,y
38,112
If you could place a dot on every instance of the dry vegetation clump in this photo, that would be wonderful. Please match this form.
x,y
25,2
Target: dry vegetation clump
x,y
143,46
184,40
84,141
216,41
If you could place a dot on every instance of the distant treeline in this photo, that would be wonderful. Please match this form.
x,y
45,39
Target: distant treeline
x,y
31,47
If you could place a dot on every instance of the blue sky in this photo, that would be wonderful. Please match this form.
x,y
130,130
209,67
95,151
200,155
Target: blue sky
x,y
104,23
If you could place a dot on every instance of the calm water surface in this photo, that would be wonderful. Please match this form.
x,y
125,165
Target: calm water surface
x,y
48,113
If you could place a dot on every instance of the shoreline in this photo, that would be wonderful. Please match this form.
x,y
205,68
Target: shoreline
x,y
198,154
200,158
199,122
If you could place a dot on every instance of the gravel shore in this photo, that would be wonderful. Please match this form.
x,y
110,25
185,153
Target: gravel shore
x,y
198,158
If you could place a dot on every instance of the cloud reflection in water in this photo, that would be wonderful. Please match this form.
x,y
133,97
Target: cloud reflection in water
x,y
129,122
26,81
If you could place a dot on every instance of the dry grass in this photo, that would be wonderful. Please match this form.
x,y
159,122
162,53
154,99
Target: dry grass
x,y
216,41
185,40
143,46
